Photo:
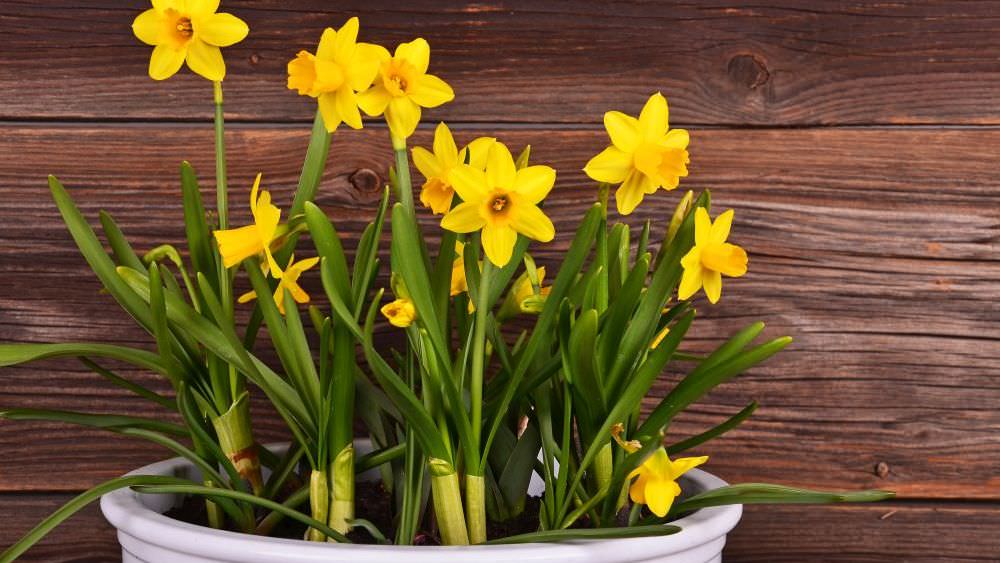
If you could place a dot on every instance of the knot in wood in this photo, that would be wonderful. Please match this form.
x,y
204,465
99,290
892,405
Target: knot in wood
x,y
365,180
882,469
749,70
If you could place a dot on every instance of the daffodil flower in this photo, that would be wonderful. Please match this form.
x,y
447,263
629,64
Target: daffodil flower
x,y
711,257
458,282
405,88
522,297
400,313
289,281
340,69
655,482
437,192
502,201
645,154
236,245
188,31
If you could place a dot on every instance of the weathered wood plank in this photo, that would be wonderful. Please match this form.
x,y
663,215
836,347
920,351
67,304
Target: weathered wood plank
x,y
917,532
778,62
884,271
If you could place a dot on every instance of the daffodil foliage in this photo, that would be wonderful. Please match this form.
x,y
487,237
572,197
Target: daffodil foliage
x,y
495,368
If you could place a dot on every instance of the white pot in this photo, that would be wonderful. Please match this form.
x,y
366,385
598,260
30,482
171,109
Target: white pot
x,y
147,536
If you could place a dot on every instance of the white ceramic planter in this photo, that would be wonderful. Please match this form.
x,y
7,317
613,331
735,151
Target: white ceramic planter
x,y
147,536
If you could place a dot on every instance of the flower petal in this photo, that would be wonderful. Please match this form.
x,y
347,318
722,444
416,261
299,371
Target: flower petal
x,y
347,107
464,218
500,168
691,282
427,163
430,91
403,115
344,43
623,130
374,100
676,139
531,222
416,52
469,182
498,244
720,228
653,118
534,182
444,145
236,245
202,7
702,226
327,43
328,109
206,60
629,195
683,465
222,30
612,165
660,495
147,26
726,258
362,69
165,62
637,491
713,285
479,150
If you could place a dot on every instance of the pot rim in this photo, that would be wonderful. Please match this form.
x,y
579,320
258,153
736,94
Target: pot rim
x,y
124,510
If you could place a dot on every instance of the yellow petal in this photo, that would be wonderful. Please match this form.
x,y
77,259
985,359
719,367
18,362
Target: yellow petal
x,y
247,297
328,109
236,245
444,144
362,69
372,51
683,465
464,218
469,182
165,62
147,26
623,130
430,91
347,107
302,73
201,7
534,182
676,139
498,244
660,495
402,115
691,282
612,165
417,53
327,43
427,163
222,30
206,60
479,150
303,265
374,100
658,464
344,42
298,294
726,258
637,491
713,285
531,222
702,226
653,118
500,169
720,228
629,195
437,195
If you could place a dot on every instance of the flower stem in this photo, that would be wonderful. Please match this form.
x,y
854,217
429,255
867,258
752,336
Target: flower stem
x,y
319,501
342,490
448,503
220,159
475,507
479,352
236,440
404,186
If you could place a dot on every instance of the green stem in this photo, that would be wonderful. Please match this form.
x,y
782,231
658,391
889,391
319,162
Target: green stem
x,y
479,352
319,501
220,159
236,440
603,467
448,503
602,249
404,186
342,491
475,508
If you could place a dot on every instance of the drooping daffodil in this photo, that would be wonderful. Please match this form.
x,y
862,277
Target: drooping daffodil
x,y
236,245
655,483
400,313
340,69
645,154
502,201
711,257
289,281
437,192
405,88
188,31
522,298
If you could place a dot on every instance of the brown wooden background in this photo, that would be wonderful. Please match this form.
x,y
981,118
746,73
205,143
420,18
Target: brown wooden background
x,y
858,143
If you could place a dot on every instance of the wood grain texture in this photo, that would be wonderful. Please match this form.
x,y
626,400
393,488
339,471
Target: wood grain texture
x,y
780,62
888,283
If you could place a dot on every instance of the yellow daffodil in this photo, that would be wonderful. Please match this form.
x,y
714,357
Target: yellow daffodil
x,y
191,31
711,257
236,245
405,88
340,69
458,281
437,191
655,482
645,154
502,201
522,297
400,313
289,281
659,338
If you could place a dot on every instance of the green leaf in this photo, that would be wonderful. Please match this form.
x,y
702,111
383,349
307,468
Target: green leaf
x,y
620,312
124,255
313,166
104,421
714,432
329,247
13,354
589,534
129,385
195,226
762,493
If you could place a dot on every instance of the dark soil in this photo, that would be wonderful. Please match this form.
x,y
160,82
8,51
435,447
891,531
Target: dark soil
x,y
373,504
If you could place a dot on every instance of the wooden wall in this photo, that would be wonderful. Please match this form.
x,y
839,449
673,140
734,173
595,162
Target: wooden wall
x,y
858,143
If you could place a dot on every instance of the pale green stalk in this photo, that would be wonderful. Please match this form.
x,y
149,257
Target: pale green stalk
x,y
448,503
342,491
319,500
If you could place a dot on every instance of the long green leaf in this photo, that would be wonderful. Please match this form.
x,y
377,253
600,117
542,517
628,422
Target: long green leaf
x,y
195,225
105,421
13,354
713,432
763,493
589,534
120,247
